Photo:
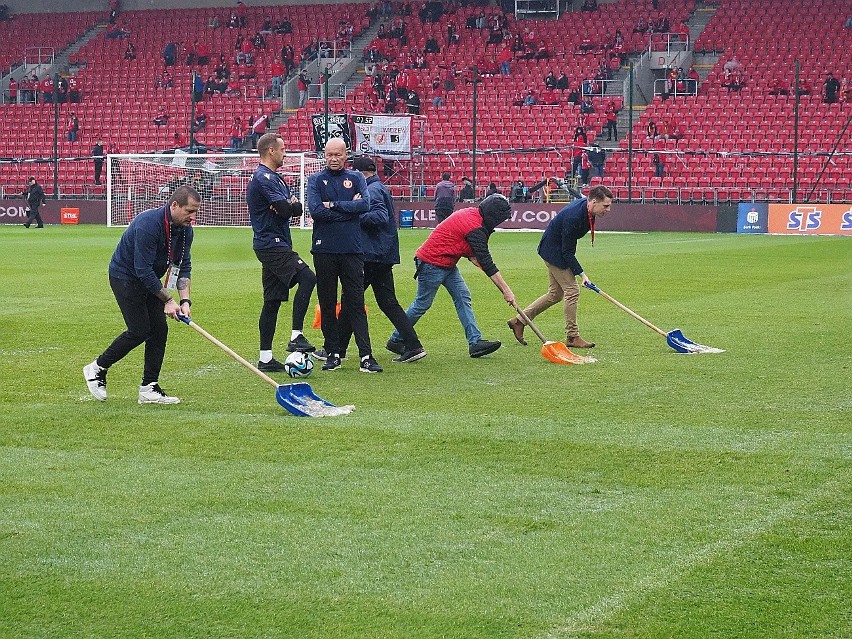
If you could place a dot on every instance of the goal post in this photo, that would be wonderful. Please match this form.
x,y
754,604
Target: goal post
x,y
137,182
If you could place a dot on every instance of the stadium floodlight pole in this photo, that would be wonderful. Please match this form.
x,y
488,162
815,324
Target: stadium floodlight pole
x,y
56,135
473,162
630,81
796,137
326,75
192,143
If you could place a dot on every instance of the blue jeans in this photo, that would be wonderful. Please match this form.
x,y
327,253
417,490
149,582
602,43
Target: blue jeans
x,y
429,280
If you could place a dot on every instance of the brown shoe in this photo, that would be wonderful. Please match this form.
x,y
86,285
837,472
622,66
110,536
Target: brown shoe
x,y
579,342
517,327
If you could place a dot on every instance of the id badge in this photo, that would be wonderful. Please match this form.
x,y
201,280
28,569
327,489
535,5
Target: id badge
x,y
172,276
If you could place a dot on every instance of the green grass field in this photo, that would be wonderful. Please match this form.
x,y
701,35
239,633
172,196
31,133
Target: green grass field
x,y
648,495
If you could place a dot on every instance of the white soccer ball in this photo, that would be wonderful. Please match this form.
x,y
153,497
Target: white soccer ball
x,y
299,365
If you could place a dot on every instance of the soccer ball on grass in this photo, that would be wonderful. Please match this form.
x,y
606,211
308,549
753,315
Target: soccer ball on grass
x,y
299,365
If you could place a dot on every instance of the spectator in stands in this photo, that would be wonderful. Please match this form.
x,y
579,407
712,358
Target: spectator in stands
x,y
692,81
587,105
179,140
597,157
187,52
529,98
202,53
550,80
62,89
466,194
288,58
164,80
310,51
549,97
492,189
222,71
258,41
659,166
585,167
98,159
13,90
169,54
130,52
651,130
201,119
445,197
437,93
162,117
504,58
590,5
845,91
848,23
73,126
611,121
258,127
197,87
278,74
641,26
236,132
431,46
113,10
777,87
804,88
211,86
303,83
246,52
412,102
240,12
732,65
830,89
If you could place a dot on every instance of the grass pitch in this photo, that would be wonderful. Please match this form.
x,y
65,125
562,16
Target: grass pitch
x,y
649,495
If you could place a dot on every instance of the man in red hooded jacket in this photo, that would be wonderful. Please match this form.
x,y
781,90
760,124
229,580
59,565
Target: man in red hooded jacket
x,y
465,233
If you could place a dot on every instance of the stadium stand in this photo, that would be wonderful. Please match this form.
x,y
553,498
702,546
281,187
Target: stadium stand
x,y
732,144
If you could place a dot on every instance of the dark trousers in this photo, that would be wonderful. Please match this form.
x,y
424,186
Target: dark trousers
x,y
99,167
34,215
348,269
380,278
146,322
611,129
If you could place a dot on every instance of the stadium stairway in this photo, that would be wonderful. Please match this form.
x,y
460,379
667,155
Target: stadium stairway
x,y
63,60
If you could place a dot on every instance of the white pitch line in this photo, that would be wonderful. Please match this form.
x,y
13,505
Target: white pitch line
x,y
588,619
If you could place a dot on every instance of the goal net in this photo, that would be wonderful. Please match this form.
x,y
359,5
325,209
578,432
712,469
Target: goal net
x,y
137,182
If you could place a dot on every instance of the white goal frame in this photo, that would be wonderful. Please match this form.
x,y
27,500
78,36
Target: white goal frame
x,y
224,176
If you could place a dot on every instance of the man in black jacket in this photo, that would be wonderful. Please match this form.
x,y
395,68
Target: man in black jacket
x,y
34,195
380,242
337,197
98,158
271,205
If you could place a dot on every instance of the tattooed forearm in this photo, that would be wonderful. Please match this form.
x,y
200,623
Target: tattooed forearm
x,y
183,283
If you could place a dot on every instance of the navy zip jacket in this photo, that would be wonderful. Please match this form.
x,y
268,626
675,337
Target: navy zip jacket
x,y
558,245
142,253
337,229
380,240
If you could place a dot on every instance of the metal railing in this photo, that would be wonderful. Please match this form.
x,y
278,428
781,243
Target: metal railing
x,y
684,86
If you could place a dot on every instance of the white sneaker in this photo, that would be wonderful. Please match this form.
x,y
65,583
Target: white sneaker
x,y
95,377
153,394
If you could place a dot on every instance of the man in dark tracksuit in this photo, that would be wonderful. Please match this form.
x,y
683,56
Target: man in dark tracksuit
x,y
558,249
271,205
337,197
157,242
34,195
381,251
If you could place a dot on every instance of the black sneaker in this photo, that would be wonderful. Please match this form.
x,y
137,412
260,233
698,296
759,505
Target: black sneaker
x,y
411,356
272,366
332,362
369,365
483,347
301,345
397,348
322,355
